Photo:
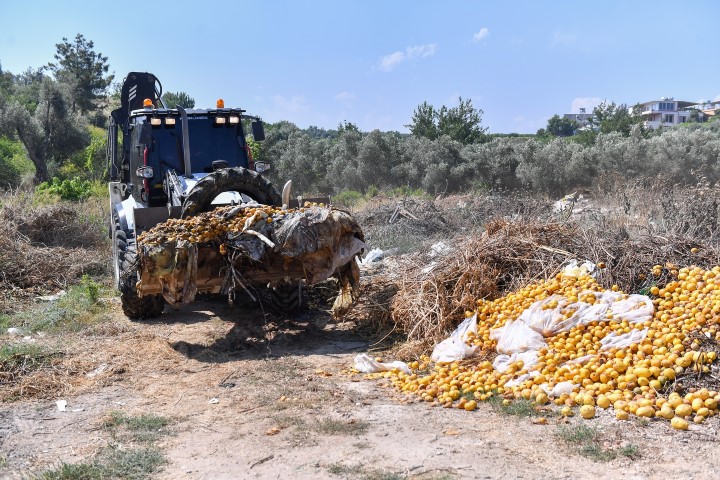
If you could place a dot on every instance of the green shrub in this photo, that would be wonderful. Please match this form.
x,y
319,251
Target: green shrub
x,y
14,164
69,189
372,191
407,191
90,162
348,198
91,288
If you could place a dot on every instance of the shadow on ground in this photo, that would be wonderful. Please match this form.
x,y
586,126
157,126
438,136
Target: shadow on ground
x,y
257,333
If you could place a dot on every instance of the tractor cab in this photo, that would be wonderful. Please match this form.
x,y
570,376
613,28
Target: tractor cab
x,y
165,151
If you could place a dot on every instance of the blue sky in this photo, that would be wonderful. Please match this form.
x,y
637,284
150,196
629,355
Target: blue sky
x,y
372,62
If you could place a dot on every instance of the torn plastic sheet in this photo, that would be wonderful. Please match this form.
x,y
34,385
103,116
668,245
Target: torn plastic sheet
x,y
562,388
522,379
575,269
454,347
550,320
366,364
502,362
635,308
516,337
580,360
373,256
612,340
440,249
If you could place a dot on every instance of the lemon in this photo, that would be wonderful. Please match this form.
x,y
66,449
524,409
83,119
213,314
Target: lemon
x,y
587,411
683,410
645,412
603,401
679,423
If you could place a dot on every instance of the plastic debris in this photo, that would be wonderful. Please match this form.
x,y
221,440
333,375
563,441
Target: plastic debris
x,y
366,364
574,269
440,248
622,341
375,255
100,369
52,298
61,405
214,400
455,347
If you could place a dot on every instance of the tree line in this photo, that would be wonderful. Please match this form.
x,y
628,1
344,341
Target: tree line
x,y
52,119
362,162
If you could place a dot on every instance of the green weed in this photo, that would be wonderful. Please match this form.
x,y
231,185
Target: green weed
x,y
518,407
79,308
348,199
340,427
141,428
361,473
630,451
588,443
134,463
18,359
69,189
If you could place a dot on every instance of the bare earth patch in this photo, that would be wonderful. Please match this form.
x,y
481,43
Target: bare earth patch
x,y
250,399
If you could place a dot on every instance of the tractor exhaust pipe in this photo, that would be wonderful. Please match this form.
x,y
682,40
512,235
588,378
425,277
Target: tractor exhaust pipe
x,y
286,194
186,142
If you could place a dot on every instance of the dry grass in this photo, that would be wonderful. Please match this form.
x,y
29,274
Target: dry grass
x,y
48,247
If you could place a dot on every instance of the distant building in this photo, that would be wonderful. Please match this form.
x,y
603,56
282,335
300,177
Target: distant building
x,y
666,112
583,119
708,109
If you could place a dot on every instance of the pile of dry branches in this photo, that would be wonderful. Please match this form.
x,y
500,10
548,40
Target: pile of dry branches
x,y
43,249
425,297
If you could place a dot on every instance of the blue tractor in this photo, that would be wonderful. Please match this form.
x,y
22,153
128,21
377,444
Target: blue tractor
x,y
173,163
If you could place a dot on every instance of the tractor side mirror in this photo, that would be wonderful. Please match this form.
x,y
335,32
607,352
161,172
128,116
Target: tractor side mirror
x,y
258,130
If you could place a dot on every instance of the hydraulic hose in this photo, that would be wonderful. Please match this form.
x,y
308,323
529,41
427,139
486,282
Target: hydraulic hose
x,y
146,182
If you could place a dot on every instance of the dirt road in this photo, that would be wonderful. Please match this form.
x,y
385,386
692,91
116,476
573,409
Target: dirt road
x,y
249,400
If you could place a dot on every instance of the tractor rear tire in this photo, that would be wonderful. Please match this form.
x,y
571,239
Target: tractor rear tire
x,y
236,179
134,306
286,297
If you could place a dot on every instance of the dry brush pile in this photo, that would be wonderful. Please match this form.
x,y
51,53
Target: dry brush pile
x,y
500,272
46,248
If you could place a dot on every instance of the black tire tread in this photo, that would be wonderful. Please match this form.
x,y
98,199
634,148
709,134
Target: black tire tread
x,y
235,179
286,297
133,305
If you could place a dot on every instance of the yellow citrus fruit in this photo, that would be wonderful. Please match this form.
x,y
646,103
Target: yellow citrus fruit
x,y
587,411
679,423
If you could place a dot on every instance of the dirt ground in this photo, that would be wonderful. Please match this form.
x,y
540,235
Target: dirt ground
x,y
249,399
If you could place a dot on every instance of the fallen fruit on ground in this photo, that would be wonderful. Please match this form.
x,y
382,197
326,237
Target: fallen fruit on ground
x,y
679,423
627,361
587,411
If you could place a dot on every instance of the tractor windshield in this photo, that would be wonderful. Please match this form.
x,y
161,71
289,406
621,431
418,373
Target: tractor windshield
x,y
208,142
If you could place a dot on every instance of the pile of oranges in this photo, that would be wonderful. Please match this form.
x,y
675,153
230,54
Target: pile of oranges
x,y
683,336
212,226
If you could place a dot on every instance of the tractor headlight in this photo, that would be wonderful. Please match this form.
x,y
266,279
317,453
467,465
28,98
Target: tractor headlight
x,y
220,120
145,172
155,122
170,122
234,119
262,167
